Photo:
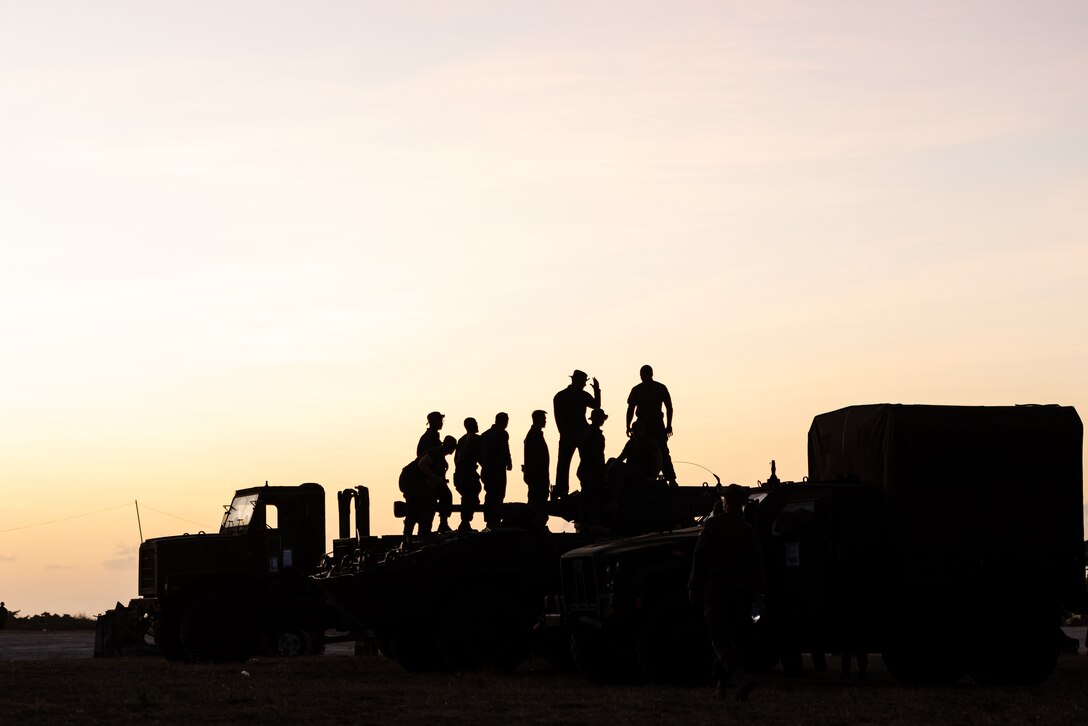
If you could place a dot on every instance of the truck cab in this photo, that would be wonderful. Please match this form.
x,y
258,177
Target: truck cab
x,y
246,588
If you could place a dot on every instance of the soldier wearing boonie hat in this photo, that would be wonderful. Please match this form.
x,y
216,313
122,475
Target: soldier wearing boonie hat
x,y
569,407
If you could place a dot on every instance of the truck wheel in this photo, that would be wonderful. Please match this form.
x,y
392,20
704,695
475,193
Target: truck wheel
x,y
314,641
168,638
484,629
290,643
415,651
603,656
219,629
385,644
1023,655
928,660
588,654
553,644
668,653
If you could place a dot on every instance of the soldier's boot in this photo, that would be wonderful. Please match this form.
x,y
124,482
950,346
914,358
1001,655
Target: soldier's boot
x,y
745,684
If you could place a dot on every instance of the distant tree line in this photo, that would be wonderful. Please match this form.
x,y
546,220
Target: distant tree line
x,y
48,621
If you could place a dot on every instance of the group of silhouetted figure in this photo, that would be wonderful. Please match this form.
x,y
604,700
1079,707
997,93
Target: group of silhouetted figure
x,y
482,460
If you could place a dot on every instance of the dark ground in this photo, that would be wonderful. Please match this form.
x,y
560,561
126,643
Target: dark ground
x,y
370,689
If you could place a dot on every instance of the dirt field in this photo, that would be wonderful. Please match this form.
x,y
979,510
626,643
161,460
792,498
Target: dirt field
x,y
370,689
63,644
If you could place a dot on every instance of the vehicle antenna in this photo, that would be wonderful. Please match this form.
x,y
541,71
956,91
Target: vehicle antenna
x,y
692,463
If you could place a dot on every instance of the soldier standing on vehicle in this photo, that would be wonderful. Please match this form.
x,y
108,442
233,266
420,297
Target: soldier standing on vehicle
x,y
638,463
726,576
466,474
535,470
495,461
645,402
591,465
419,480
3,616
430,439
569,406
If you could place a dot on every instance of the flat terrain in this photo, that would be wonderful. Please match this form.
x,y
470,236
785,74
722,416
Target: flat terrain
x,y
57,644
339,689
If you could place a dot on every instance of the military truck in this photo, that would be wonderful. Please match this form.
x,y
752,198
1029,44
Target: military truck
x,y
470,601
948,539
264,584
245,589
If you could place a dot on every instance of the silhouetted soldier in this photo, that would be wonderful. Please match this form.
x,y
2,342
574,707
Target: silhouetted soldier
x,y
419,480
495,461
591,466
3,616
638,462
443,495
726,574
537,466
466,475
645,402
431,438
570,406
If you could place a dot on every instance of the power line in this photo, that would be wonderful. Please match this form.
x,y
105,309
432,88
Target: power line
x,y
64,519
198,524
91,514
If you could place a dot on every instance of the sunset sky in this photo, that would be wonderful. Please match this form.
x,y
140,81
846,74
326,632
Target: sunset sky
x,y
259,240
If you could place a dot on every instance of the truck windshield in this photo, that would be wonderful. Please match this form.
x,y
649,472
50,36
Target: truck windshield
x,y
240,511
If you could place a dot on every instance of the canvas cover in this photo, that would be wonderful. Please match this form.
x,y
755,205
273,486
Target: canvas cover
x,y
971,481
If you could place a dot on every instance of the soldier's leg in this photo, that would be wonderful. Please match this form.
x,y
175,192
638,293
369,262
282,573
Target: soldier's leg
x,y
716,628
426,520
656,431
495,492
567,447
489,496
445,507
460,479
470,503
538,490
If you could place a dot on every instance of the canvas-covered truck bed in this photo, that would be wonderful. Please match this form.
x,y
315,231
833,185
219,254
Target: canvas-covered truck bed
x,y
983,523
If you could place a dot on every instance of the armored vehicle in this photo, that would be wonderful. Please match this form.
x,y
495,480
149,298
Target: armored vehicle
x,y
949,539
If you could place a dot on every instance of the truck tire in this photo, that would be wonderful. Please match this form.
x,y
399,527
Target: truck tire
x,y
1024,654
930,656
314,642
485,629
604,657
588,654
670,651
416,651
290,643
553,645
168,638
385,643
219,629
